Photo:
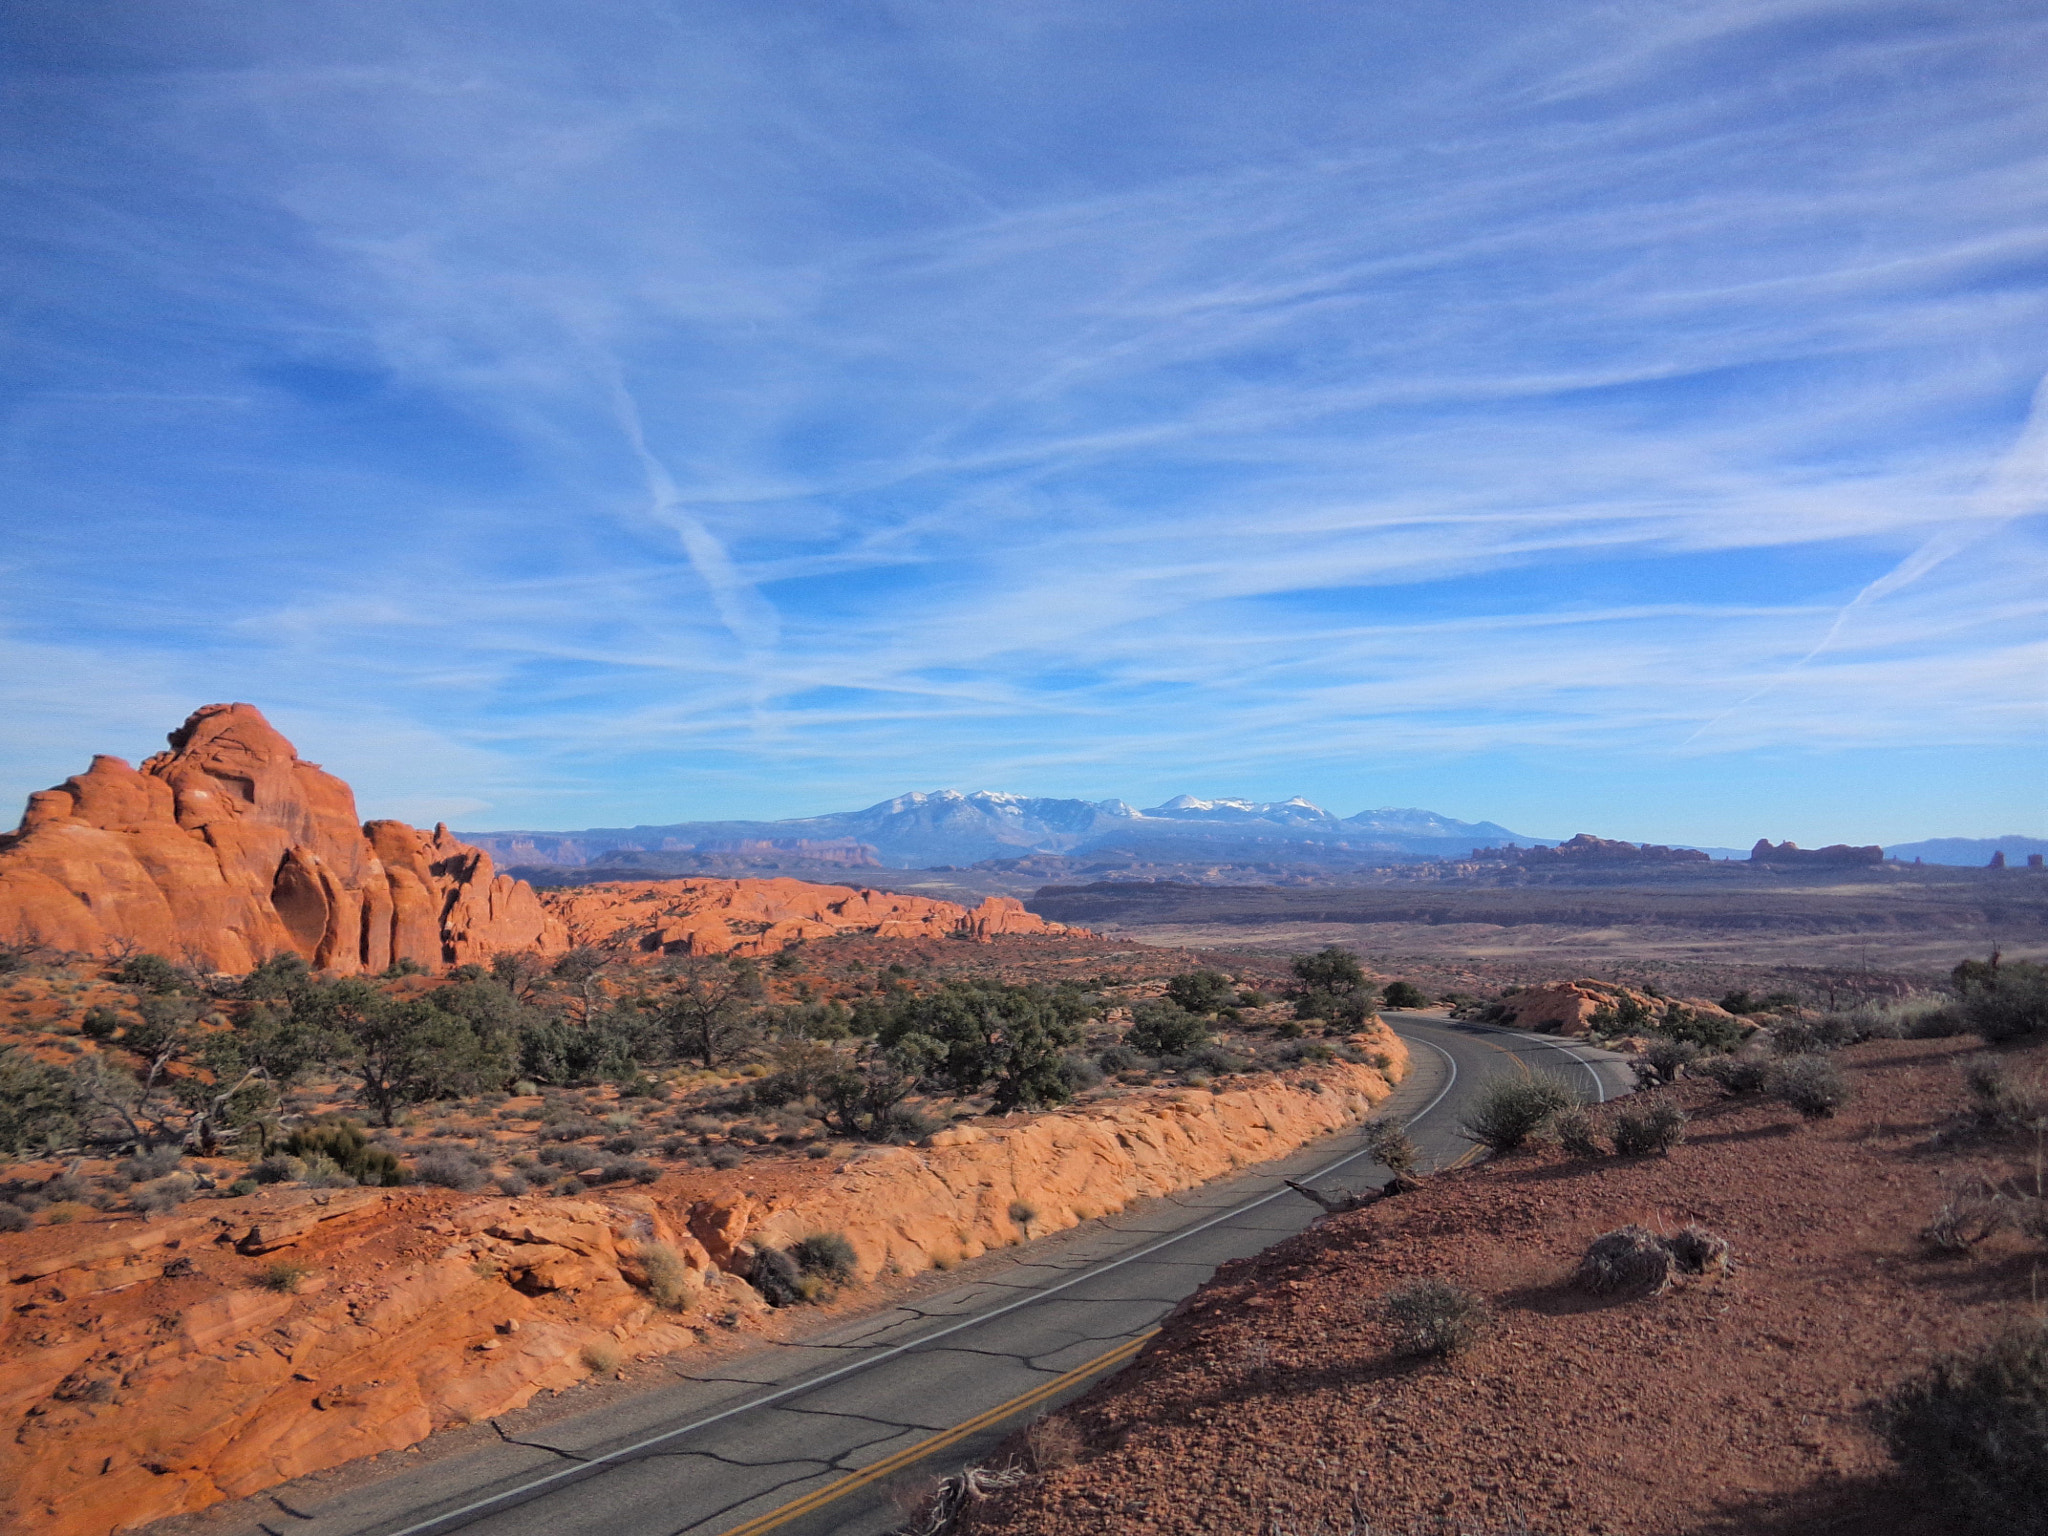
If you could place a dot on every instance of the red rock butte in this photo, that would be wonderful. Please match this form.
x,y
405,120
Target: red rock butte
x,y
229,848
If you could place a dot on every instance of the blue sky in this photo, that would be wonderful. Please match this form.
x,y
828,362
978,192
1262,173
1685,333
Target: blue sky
x,y
1616,417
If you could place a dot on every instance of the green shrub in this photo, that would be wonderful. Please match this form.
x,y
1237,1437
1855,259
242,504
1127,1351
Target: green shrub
x,y
1668,1057
667,1275
1997,1102
1164,1029
1510,1110
282,1275
1796,1037
1708,1031
1969,1214
1433,1317
13,1218
828,1255
2004,1002
450,1168
70,1187
1078,1072
350,1148
162,1196
1631,1258
1574,1130
1936,1024
278,1169
1200,991
39,1106
153,973
1655,1129
1974,1429
1811,1084
1307,1050
1403,994
1214,1060
1739,1074
1341,1012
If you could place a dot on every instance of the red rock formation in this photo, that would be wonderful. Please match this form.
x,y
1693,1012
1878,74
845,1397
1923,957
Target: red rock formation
x,y
1567,1007
760,917
228,849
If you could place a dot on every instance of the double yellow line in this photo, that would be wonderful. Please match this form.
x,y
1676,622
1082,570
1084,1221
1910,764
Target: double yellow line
x,y
898,1460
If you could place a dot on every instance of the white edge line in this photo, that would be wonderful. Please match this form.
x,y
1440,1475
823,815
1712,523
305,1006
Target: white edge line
x,y
597,1463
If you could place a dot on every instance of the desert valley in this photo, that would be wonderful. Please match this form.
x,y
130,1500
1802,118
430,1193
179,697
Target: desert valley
x,y
328,1141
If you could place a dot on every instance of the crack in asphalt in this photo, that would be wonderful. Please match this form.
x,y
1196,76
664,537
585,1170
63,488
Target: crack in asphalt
x,y
864,1418
535,1445
822,1463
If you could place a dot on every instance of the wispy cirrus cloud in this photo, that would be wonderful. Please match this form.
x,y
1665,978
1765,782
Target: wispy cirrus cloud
x,y
705,411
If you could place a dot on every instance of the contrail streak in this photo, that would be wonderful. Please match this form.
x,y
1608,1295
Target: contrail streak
x,y
750,617
2017,487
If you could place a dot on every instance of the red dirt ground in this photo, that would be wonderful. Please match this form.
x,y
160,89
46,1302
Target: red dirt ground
x,y
1272,1403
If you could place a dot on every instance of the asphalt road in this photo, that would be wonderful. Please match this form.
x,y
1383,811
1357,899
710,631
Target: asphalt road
x,y
826,1436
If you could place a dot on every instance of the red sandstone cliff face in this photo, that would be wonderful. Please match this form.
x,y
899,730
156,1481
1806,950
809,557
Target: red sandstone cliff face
x,y
228,849
760,917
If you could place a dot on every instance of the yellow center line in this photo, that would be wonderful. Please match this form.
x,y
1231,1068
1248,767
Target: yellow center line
x,y
1506,1052
897,1461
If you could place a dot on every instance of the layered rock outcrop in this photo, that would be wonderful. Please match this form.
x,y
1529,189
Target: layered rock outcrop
x,y
229,848
759,917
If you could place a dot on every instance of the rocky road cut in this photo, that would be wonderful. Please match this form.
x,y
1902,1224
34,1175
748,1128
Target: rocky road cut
x,y
831,1433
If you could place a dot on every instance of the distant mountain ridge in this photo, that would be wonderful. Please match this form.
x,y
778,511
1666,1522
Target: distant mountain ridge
x,y
938,828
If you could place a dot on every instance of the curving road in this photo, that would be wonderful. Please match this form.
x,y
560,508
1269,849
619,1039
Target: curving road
x,y
820,1437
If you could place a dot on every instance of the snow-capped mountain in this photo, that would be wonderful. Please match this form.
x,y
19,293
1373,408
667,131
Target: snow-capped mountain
x,y
925,828
1296,812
